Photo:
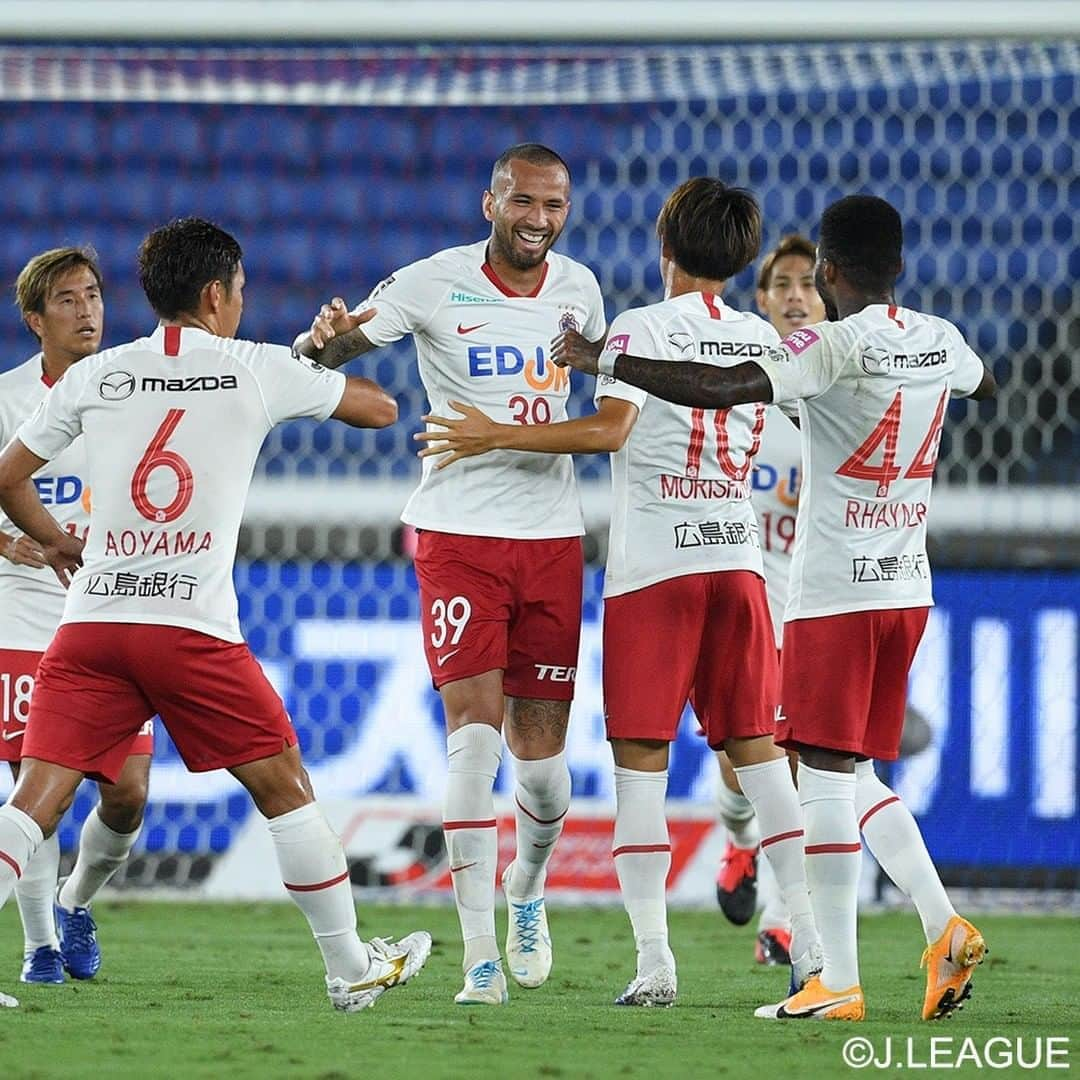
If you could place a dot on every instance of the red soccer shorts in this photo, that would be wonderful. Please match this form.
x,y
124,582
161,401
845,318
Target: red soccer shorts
x,y
706,638
17,670
487,603
98,683
843,680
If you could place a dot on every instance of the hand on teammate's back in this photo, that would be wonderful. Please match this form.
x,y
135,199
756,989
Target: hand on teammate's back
x,y
23,551
335,319
474,433
65,557
571,349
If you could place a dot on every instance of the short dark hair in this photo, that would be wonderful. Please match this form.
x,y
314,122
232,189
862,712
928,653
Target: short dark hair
x,y
177,261
533,153
864,237
709,229
792,244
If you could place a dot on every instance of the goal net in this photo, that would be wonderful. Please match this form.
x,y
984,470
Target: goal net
x,y
335,166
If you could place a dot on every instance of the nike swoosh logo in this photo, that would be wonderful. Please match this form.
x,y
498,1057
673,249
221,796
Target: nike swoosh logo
x,y
813,1010
440,660
463,866
387,978
469,329
9,735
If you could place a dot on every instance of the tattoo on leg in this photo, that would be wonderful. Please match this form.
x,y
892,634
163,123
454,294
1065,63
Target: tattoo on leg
x,y
534,720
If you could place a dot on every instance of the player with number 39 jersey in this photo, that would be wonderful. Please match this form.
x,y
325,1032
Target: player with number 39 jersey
x,y
498,556
478,341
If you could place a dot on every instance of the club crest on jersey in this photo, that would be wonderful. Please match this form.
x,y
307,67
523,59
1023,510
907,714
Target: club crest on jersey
x,y
568,321
116,386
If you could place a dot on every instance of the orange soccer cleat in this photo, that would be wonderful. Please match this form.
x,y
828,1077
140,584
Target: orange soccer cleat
x,y
815,1002
950,963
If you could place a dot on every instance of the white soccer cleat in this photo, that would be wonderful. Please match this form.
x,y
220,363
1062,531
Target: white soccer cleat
x,y
393,964
654,989
485,984
528,942
8,1002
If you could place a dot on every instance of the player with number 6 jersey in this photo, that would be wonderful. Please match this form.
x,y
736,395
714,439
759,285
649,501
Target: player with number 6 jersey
x,y
498,558
171,425
871,389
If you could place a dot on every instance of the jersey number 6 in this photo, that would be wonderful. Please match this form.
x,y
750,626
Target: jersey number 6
x,y
157,457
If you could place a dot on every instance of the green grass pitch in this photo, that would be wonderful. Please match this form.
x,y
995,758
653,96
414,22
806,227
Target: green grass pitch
x,y
235,991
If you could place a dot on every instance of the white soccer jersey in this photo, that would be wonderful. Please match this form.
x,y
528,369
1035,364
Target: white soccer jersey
x,y
872,392
775,484
172,426
32,601
681,481
479,343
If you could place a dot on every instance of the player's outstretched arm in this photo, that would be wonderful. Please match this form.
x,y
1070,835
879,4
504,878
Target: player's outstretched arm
x,y
476,433
335,336
19,500
701,386
365,404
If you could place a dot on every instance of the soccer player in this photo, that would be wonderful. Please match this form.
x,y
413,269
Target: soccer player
x,y
499,560
872,389
59,293
173,423
685,610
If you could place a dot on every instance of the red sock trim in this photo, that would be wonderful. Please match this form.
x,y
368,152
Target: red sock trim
x,y
5,857
832,849
449,826
540,821
795,833
318,885
639,849
874,809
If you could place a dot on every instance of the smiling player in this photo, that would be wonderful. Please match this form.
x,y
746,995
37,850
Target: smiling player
x,y
499,559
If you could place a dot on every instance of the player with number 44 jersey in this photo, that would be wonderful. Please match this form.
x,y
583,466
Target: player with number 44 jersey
x,y
498,559
871,387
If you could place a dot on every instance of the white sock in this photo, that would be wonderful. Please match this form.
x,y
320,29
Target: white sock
x,y
894,839
833,862
20,837
472,843
101,853
34,895
770,788
737,813
314,870
542,798
642,854
774,915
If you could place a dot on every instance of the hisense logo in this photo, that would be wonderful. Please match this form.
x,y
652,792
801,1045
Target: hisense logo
x,y
469,298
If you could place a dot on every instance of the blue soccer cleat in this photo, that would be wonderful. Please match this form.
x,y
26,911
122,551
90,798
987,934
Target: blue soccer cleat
x,y
43,965
78,941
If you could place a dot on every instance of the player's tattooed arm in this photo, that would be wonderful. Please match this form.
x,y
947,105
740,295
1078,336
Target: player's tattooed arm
x,y
701,386
335,336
